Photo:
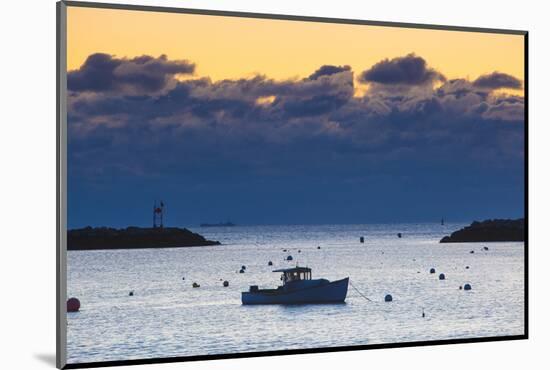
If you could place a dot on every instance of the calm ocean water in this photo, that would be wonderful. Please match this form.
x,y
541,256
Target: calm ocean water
x,y
166,317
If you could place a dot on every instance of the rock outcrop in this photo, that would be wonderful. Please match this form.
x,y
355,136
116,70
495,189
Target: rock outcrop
x,y
133,237
489,231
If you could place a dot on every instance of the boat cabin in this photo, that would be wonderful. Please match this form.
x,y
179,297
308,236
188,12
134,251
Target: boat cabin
x,y
295,274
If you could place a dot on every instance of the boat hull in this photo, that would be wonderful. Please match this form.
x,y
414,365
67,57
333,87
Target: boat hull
x,y
332,292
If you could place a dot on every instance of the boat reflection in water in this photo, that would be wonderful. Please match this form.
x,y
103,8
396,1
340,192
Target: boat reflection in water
x,y
298,288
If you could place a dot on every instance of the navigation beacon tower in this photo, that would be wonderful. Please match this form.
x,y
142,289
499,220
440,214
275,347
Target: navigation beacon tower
x,y
158,213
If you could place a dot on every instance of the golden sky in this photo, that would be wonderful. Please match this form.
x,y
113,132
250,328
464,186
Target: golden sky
x,y
229,47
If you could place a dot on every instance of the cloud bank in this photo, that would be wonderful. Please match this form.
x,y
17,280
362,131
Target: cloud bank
x,y
131,121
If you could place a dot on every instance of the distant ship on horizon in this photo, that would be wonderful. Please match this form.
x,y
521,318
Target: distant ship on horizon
x,y
219,224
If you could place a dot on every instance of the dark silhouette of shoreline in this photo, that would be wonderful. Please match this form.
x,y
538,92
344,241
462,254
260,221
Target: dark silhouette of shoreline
x,y
489,231
91,238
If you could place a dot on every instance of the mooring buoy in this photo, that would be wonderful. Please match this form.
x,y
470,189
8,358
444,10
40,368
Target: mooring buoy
x,y
226,283
441,276
241,271
131,294
399,235
195,285
362,239
270,263
289,258
467,287
73,305
388,298
432,271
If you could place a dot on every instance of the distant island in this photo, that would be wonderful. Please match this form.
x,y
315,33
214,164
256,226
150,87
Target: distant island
x,y
489,231
90,238
221,224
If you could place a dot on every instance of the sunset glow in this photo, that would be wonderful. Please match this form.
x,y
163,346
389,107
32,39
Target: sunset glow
x,y
231,48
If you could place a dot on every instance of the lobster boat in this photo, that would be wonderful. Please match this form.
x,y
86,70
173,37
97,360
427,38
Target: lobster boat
x,y
298,288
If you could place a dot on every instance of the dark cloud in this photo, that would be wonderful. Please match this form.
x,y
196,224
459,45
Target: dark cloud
x,y
497,80
260,142
408,70
307,119
328,70
291,98
140,75
323,103
315,124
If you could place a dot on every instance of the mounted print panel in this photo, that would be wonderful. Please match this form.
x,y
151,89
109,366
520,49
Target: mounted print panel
x,y
238,184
